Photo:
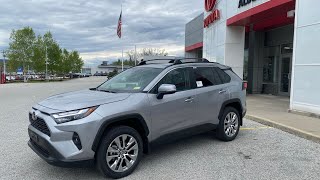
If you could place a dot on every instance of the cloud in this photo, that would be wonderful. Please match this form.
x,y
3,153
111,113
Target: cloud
x,y
90,26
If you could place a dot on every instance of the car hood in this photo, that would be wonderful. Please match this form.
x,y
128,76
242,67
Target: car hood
x,y
81,99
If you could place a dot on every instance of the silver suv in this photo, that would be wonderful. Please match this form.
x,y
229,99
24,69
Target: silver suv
x,y
112,125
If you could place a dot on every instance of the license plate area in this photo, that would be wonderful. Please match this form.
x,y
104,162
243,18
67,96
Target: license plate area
x,y
34,136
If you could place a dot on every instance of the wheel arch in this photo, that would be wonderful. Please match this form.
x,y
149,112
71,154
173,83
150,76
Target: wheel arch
x,y
235,103
135,121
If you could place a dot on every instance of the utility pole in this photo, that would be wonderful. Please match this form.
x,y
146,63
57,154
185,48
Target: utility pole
x,y
46,64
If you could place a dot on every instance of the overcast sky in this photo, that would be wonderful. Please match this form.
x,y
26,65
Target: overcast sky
x,y
90,26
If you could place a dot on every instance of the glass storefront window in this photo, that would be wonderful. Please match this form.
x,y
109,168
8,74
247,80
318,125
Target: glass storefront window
x,y
270,64
268,69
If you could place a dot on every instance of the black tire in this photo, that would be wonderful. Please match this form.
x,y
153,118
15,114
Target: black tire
x,y
221,134
108,138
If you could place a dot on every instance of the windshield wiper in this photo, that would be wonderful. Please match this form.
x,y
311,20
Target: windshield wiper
x,y
108,91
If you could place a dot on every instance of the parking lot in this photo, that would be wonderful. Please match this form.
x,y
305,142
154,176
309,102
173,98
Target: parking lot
x,y
259,152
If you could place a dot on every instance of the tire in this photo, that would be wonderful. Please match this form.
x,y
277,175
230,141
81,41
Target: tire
x,y
233,124
122,162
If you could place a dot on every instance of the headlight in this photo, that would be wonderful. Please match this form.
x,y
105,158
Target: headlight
x,y
73,115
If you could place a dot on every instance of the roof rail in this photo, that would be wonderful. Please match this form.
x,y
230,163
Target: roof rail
x,y
144,62
176,61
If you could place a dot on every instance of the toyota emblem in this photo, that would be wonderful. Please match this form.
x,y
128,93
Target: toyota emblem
x,y
34,116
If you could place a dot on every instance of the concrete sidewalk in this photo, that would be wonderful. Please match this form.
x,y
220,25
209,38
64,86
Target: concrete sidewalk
x,y
273,111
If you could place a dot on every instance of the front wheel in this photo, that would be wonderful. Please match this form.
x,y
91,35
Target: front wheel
x,y
229,125
119,152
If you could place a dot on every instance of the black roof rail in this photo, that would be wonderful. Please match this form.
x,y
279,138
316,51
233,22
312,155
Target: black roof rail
x,y
144,62
178,61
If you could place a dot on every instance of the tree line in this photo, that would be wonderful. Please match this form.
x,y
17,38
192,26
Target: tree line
x,y
33,52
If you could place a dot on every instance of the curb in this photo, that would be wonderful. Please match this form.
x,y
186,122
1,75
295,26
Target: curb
x,y
288,129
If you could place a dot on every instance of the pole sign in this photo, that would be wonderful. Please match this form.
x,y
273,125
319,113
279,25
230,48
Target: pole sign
x,y
244,2
215,13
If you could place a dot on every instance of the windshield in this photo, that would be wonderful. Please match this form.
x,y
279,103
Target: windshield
x,y
131,80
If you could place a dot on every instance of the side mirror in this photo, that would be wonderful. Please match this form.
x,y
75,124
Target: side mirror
x,y
166,89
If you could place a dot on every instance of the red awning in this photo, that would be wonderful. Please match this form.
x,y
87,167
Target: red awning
x,y
194,46
268,15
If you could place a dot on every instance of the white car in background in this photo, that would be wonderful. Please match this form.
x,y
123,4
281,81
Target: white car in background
x,y
10,78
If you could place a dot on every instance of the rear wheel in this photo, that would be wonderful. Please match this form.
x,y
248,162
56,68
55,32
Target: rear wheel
x,y
119,152
229,124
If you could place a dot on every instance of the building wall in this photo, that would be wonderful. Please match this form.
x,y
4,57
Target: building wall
x,y
194,31
305,81
220,40
197,53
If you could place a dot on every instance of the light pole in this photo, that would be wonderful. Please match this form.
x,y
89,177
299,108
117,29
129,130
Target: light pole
x,y
46,64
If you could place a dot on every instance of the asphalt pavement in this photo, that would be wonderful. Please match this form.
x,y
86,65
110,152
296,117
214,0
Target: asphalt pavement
x,y
259,152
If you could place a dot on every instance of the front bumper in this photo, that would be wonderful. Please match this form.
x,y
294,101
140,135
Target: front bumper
x,y
55,144
51,156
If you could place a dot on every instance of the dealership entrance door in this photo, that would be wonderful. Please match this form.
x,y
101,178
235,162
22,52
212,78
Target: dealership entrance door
x,y
268,61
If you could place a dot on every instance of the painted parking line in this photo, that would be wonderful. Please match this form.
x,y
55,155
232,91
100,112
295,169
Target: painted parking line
x,y
255,128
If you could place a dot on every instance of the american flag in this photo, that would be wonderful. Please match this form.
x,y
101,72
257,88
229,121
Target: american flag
x,y
119,25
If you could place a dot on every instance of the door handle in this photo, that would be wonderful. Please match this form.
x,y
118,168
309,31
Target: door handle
x,y
222,91
190,99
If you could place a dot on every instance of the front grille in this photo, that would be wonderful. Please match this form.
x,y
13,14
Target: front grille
x,y
40,125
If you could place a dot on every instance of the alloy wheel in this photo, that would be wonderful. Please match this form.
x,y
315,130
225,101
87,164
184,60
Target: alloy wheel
x,y
122,153
231,123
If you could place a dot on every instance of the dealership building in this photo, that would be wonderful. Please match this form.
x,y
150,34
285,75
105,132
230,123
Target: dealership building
x,y
272,44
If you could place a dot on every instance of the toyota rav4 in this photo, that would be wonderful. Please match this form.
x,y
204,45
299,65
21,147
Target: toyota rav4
x,y
114,124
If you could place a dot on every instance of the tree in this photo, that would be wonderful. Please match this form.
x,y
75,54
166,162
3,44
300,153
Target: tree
x,y
77,61
20,50
28,50
39,56
125,62
145,52
113,73
66,63
54,53
152,52
71,62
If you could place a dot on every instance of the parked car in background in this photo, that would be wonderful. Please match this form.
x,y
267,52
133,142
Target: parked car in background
x,y
10,78
32,76
19,77
113,124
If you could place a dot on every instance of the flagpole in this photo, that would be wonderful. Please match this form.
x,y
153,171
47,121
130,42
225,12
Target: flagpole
x,y
121,35
135,55
122,60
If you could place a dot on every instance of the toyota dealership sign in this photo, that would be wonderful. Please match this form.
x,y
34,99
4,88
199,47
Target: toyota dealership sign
x,y
215,13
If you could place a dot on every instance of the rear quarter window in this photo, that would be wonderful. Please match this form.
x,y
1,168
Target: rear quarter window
x,y
225,78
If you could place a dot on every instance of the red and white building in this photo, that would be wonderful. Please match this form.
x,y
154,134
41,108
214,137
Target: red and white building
x,y
273,44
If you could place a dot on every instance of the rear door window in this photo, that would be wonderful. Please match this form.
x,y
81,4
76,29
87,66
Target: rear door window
x,y
205,77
